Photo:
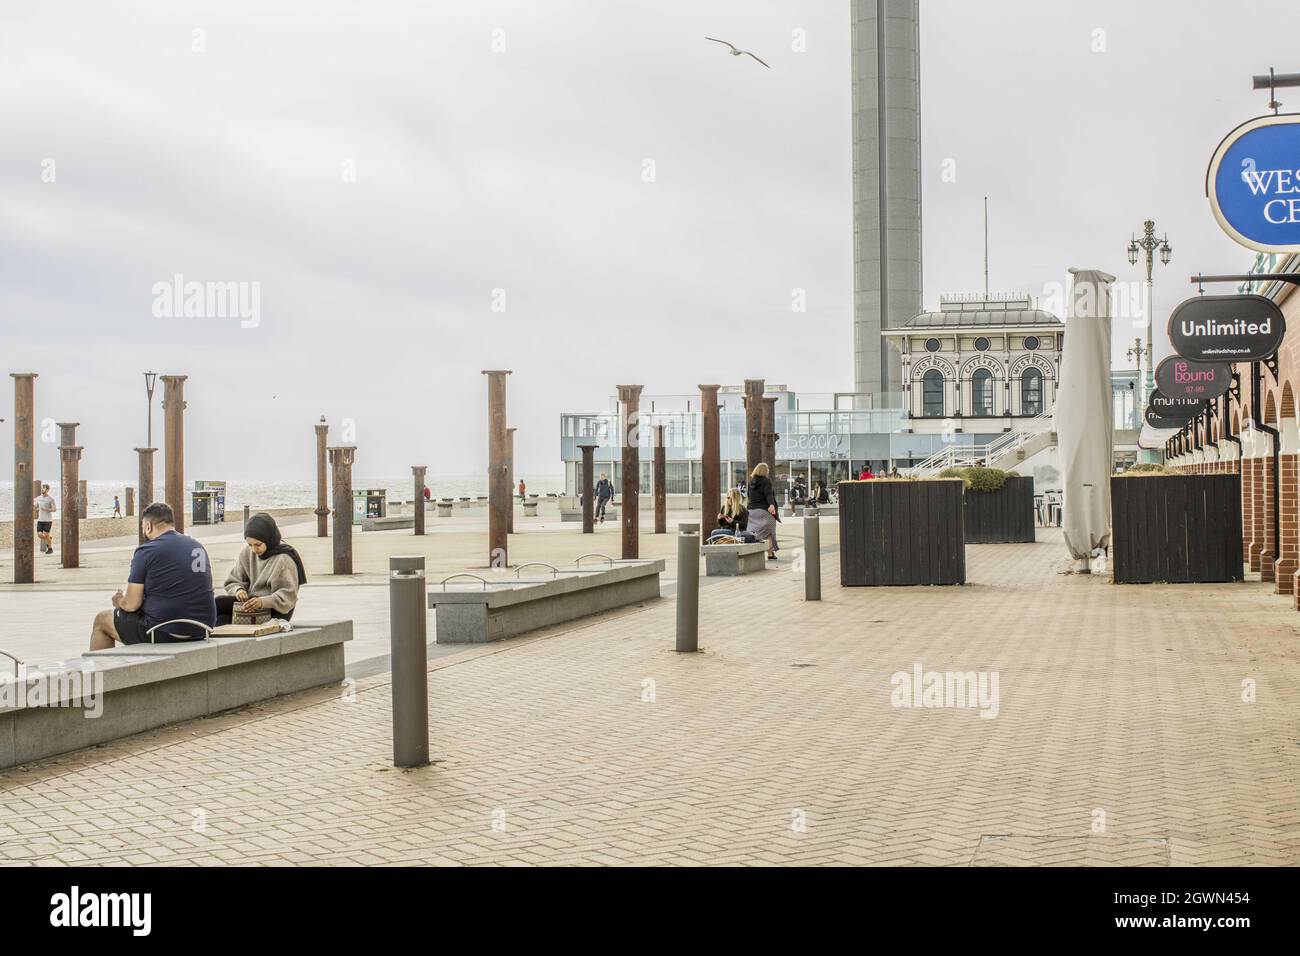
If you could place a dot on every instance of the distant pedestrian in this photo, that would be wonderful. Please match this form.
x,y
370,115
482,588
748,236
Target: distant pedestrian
x,y
45,508
762,516
604,492
428,495
867,474
117,507
522,489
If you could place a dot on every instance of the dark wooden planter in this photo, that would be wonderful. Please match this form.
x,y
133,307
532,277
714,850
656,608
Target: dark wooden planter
x,y
1002,516
1176,528
901,532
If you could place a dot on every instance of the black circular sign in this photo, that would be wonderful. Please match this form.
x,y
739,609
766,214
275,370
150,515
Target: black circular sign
x,y
1226,328
1156,420
1182,378
932,345
1181,409
1031,342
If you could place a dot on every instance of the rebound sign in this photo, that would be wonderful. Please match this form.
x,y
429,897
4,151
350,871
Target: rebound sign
x,y
1253,184
1226,328
1182,378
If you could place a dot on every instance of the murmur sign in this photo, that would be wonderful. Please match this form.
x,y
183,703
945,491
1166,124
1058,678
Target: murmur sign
x,y
1226,328
1182,409
1253,184
1182,378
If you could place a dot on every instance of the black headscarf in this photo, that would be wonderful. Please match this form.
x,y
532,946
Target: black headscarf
x,y
263,528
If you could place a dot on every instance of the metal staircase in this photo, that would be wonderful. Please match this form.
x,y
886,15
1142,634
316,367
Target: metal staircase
x,y
1004,451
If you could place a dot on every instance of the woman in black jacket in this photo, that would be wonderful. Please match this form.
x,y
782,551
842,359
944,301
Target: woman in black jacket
x,y
763,511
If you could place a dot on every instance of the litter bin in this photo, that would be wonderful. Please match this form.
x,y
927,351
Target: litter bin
x,y
203,508
369,503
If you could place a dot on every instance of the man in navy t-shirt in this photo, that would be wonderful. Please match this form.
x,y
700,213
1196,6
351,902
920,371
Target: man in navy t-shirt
x,y
170,580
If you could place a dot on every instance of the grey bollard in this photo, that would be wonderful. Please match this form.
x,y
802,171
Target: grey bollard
x,y
812,556
246,509
688,590
408,660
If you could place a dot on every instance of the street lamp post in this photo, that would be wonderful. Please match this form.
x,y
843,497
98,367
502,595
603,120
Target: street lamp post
x,y
1149,245
150,379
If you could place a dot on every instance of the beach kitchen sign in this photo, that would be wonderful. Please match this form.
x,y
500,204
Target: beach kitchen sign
x,y
1253,183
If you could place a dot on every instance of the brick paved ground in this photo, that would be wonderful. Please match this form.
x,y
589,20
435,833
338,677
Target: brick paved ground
x,y
776,745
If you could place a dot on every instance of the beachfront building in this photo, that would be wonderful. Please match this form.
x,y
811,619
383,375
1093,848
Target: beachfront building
x,y
979,364
1265,448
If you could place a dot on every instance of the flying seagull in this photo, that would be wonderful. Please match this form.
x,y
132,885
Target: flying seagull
x,y
734,51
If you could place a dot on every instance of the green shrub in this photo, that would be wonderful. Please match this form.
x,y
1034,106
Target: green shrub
x,y
1146,468
984,480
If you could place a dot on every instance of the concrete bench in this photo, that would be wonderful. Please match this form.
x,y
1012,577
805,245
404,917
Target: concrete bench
x,y
139,687
475,612
530,509
444,509
731,560
388,523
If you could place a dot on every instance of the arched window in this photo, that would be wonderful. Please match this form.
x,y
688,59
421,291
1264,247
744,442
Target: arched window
x,y
981,392
932,394
1031,392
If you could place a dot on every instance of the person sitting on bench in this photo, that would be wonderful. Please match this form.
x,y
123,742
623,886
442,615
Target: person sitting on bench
x,y
170,583
266,575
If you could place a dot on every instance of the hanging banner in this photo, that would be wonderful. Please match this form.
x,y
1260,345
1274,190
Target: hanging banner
x,y
1182,378
1180,409
1254,186
1226,328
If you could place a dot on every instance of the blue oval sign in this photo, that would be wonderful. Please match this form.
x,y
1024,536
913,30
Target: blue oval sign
x,y
1253,184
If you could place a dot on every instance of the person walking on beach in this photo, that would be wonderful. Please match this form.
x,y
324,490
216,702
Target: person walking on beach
x,y
604,492
45,508
522,489
170,582
117,507
763,514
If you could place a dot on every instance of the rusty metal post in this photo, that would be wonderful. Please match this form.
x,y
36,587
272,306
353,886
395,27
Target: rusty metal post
x,y
629,402
710,461
499,504
24,446
83,496
753,424
130,502
770,437
341,459
70,459
146,487
174,445
510,480
588,490
661,482
71,488
322,499
418,472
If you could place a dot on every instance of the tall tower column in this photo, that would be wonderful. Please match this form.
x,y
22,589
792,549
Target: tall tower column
x,y
885,53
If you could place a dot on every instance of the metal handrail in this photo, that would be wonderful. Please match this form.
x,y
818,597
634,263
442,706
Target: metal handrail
x,y
592,554
949,455
18,662
463,574
555,572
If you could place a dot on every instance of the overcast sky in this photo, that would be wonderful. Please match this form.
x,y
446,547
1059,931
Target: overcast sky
x,y
507,146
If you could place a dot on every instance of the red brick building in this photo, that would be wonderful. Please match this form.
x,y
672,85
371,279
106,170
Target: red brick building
x,y
1242,444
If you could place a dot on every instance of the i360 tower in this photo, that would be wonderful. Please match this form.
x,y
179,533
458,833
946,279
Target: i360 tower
x,y
886,185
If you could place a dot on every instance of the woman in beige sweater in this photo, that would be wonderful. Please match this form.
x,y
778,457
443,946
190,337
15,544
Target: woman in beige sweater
x,y
266,575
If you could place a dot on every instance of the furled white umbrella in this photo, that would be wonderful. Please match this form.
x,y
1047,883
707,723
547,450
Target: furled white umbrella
x,y
1082,415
